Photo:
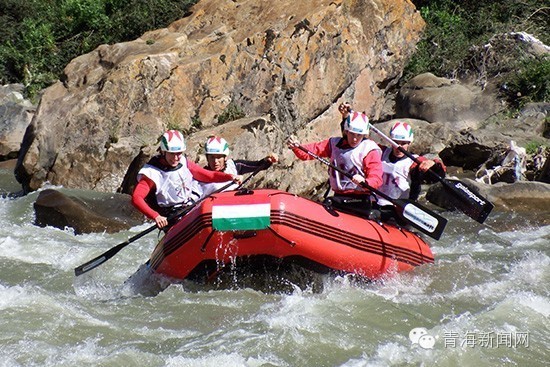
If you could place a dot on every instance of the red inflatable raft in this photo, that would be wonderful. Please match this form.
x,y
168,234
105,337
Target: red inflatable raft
x,y
234,225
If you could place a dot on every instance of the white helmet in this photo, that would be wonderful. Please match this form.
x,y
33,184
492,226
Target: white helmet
x,y
402,131
172,141
357,122
216,145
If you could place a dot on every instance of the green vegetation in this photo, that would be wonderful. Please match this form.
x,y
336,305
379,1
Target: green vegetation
x,y
533,147
231,113
196,125
39,37
196,122
456,32
531,82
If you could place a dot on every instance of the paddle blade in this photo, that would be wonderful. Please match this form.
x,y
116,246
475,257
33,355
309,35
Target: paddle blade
x,y
92,264
467,200
95,262
423,219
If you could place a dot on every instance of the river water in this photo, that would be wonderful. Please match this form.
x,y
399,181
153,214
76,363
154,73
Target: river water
x,y
485,302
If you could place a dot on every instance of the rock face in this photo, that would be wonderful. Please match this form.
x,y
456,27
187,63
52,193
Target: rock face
x,y
430,98
15,115
289,60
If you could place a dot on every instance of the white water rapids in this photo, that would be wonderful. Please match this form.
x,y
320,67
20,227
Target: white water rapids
x,y
485,302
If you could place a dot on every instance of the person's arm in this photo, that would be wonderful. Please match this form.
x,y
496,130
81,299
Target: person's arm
x,y
244,166
201,174
421,170
372,168
344,109
322,149
418,173
142,189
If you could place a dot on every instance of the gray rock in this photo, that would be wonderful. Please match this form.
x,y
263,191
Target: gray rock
x,y
16,113
521,196
85,212
435,99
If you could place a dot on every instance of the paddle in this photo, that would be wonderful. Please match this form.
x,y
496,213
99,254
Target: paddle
x,y
94,263
417,215
467,201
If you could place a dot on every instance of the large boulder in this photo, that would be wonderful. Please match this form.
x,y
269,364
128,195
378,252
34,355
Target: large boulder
x,y
85,212
291,60
435,99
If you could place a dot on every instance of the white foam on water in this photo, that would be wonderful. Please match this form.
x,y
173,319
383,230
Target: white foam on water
x,y
518,313
482,281
531,271
538,304
223,359
89,352
36,245
7,360
528,237
484,241
293,312
11,296
35,301
88,287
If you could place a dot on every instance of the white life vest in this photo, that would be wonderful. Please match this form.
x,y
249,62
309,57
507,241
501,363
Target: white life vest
x,y
350,160
172,187
396,182
209,187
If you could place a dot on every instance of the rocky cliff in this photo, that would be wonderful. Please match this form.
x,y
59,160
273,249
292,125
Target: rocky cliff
x,y
283,64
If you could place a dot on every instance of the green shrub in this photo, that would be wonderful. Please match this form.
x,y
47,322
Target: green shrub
x,y
38,38
196,122
231,113
532,147
530,83
454,27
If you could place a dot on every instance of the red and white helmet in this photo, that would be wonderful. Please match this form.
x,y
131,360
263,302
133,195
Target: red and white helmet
x,y
172,141
357,122
401,131
216,145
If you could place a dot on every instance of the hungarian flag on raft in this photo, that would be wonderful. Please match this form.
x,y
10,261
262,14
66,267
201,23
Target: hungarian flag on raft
x,y
250,213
